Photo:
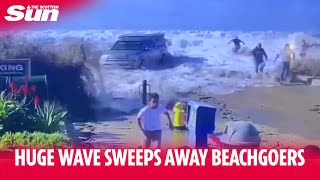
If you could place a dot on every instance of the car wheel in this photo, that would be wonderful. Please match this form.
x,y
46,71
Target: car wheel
x,y
139,64
163,59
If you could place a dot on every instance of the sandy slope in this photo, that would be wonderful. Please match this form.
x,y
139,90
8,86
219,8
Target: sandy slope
x,y
291,109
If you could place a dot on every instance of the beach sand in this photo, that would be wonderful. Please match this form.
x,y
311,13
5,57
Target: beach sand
x,y
286,116
290,109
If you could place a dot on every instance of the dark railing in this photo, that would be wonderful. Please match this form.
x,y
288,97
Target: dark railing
x,y
144,91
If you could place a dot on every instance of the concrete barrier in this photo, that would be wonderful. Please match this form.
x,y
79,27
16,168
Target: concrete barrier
x,y
315,82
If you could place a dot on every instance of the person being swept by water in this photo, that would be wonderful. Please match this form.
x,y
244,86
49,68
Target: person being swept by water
x,y
305,46
236,43
258,54
149,120
287,56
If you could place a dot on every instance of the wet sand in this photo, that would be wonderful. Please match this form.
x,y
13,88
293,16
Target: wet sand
x,y
286,116
290,109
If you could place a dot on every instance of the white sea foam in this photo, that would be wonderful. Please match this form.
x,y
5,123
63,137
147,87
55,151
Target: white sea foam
x,y
203,61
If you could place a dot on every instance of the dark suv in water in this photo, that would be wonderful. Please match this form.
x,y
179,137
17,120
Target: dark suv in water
x,y
137,51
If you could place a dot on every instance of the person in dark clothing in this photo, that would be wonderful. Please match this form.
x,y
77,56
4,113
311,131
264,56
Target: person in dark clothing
x,y
236,43
258,54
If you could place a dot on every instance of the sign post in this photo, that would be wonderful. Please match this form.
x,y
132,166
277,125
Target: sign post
x,y
143,90
15,67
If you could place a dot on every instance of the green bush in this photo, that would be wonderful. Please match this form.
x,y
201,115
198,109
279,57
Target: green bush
x,y
14,112
34,140
20,139
6,141
49,116
9,105
42,140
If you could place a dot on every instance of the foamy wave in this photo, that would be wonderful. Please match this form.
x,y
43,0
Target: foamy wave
x,y
203,61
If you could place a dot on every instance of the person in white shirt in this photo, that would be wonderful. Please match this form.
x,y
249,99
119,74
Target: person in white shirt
x,y
149,120
287,56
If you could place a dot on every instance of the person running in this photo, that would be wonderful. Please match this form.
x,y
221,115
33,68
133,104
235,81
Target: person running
x,y
236,43
258,54
287,56
149,119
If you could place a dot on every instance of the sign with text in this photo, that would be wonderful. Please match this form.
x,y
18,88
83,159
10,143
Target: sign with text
x,y
15,67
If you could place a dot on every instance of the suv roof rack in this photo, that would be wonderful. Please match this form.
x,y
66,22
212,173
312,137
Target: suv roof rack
x,y
141,35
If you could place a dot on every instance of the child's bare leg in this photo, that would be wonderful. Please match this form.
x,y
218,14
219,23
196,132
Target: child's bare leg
x,y
158,139
147,142
158,144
